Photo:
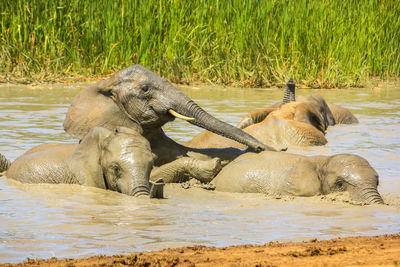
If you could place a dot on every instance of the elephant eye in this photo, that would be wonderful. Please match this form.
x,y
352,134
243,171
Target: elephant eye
x,y
116,169
145,88
339,184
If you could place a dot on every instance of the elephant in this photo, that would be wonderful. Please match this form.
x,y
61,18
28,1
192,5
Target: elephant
x,y
280,174
292,124
118,160
333,114
321,109
330,114
137,98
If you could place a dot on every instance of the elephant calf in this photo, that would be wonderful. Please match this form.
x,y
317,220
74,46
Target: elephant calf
x,y
119,160
278,173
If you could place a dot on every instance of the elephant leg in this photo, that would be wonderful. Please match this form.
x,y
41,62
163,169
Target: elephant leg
x,y
184,168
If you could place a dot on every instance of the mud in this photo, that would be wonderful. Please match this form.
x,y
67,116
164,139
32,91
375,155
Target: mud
x,y
352,251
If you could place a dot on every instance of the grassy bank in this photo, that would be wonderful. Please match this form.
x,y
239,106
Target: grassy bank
x,y
249,43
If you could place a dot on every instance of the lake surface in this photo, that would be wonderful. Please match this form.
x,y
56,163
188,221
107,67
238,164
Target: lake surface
x,y
74,221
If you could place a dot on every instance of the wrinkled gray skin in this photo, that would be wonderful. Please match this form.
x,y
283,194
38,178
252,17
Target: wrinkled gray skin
x,y
118,160
138,98
278,173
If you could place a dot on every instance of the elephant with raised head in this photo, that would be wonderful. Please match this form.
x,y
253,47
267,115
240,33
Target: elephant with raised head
x,y
138,98
279,174
118,160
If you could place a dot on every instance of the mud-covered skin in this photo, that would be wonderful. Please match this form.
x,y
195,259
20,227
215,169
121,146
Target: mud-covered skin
x,y
138,98
118,160
293,124
278,173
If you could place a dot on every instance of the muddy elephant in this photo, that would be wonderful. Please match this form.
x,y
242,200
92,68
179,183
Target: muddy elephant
x,y
138,98
331,113
320,109
279,174
293,124
118,160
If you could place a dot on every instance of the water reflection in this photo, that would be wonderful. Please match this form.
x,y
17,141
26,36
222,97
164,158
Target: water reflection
x,y
71,220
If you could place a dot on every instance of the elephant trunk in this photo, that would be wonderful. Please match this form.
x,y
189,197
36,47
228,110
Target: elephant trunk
x,y
155,190
204,120
374,198
290,94
370,196
141,190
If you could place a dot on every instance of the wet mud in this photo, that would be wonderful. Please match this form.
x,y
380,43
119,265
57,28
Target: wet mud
x,y
352,251
71,221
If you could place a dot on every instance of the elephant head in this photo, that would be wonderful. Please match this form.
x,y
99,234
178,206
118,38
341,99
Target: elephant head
x,y
137,97
118,160
315,100
352,173
319,104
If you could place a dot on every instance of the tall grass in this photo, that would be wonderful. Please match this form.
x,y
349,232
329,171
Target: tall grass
x,y
253,43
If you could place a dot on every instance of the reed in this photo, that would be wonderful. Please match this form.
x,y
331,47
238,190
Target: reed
x,y
249,43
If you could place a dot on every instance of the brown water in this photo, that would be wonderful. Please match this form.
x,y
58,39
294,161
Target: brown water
x,y
75,221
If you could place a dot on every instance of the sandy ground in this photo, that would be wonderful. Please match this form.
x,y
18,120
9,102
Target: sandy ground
x,y
351,251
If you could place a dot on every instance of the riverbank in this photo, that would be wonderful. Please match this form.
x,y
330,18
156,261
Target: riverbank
x,y
325,44
350,251
39,81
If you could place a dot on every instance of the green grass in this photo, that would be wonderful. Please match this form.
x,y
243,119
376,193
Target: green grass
x,y
249,43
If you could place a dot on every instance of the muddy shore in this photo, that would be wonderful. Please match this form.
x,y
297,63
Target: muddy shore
x,y
350,251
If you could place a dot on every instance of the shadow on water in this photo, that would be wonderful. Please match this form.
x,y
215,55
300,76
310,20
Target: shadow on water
x,y
73,221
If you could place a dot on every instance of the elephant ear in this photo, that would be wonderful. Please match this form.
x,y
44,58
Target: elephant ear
x,y
302,179
84,162
342,115
94,106
307,114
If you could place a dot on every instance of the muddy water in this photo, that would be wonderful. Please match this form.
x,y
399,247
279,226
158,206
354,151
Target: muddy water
x,y
74,221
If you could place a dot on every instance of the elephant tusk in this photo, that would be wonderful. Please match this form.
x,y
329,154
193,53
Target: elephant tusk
x,y
180,116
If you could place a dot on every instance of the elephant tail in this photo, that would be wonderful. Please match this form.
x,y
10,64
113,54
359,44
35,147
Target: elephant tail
x,y
290,94
4,163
